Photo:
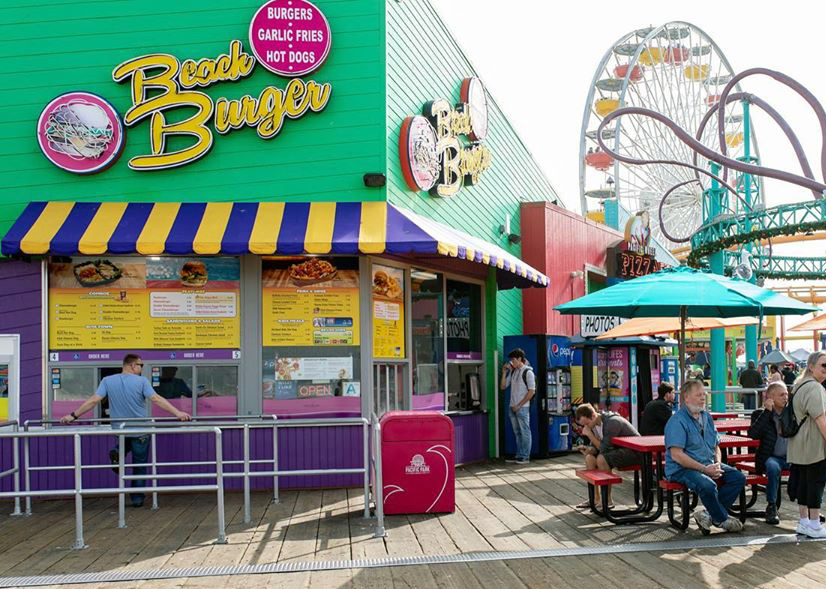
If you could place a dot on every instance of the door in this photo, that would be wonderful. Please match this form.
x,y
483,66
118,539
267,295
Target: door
x,y
9,377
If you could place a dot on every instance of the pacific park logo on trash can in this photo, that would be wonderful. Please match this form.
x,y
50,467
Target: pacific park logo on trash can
x,y
417,466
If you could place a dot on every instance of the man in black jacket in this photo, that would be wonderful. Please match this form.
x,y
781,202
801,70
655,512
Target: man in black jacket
x,y
658,411
770,457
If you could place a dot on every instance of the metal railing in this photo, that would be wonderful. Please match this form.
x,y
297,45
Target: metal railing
x,y
152,426
15,469
77,467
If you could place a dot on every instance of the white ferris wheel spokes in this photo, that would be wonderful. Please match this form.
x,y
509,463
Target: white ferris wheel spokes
x,y
676,70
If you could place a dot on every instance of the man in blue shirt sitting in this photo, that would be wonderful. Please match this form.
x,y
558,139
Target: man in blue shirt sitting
x,y
127,393
692,457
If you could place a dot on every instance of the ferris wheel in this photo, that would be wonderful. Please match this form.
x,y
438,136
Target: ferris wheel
x,y
677,70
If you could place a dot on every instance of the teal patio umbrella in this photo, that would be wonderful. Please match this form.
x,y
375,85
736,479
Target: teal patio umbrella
x,y
685,292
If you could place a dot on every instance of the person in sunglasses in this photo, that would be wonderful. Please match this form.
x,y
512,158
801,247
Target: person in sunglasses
x,y
127,393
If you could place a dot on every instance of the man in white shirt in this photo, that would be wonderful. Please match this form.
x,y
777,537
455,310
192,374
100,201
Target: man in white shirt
x,y
518,374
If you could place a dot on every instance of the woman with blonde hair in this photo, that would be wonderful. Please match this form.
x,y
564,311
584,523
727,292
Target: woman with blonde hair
x,y
807,448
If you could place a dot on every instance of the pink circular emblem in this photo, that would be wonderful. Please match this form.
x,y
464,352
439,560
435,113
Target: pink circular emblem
x,y
290,37
80,132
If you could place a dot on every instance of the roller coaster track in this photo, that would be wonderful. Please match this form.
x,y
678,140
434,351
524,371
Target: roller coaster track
x,y
727,231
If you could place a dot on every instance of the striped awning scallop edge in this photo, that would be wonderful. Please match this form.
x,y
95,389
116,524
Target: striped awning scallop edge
x,y
265,228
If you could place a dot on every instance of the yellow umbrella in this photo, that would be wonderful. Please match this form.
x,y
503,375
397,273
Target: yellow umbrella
x,y
652,325
816,324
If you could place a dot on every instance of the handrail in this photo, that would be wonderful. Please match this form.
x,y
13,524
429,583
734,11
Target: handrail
x,y
15,469
378,484
79,492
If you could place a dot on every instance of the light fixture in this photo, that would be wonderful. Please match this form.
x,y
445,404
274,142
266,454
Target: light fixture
x,y
506,230
375,180
422,275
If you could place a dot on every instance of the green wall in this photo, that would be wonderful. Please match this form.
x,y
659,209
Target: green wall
x,y
46,50
426,63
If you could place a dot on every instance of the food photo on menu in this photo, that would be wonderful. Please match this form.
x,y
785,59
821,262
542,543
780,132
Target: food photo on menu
x,y
174,273
387,282
304,271
96,273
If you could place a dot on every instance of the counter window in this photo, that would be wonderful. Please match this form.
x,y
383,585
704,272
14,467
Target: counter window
x,y
427,317
311,337
198,390
70,387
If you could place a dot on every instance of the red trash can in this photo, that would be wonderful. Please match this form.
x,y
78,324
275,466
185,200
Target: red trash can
x,y
417,462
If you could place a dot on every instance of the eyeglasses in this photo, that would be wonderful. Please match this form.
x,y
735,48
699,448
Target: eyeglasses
x,y
138,364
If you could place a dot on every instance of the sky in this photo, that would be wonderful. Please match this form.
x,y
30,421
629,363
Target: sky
x,y
537,60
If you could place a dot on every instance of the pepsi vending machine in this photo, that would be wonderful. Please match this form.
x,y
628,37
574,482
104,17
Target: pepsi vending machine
x,y
550,357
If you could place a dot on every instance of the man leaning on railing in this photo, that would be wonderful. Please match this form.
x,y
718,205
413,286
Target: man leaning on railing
x,y
127,393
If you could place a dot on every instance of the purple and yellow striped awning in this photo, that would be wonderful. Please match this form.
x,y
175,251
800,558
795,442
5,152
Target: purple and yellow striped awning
x,y
266,228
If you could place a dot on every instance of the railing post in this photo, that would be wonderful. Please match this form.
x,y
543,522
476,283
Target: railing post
x,y
219,479
154,446
247,509
27,480
121,472
16,462
275,498
366,439
79,543
378,489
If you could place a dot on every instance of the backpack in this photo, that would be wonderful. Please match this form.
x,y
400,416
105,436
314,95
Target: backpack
x,y
788,420
525,376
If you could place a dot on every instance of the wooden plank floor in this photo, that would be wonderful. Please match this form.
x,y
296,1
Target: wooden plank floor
x,y
498,507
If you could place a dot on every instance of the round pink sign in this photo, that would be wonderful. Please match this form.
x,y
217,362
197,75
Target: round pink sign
x,y
80,132
290,37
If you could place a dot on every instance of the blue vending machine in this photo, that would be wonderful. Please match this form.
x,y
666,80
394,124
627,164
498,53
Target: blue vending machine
x,y
550,356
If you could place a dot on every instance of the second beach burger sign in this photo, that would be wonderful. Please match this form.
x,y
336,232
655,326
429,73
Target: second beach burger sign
x,y
82,133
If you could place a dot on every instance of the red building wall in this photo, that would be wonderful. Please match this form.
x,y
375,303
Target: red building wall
x,y
558,243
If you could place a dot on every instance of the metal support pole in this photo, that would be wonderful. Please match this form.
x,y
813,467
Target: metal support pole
x,y
121,472
718,336
152,440
247,509
27,481
79,543
366,440
219,479
16,462
275,498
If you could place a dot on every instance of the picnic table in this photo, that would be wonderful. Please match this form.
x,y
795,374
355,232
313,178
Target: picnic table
x,y
652,468
723,415
732,425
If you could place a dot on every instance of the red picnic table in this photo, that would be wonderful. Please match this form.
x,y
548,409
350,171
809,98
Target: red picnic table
x,y
732,425
723,415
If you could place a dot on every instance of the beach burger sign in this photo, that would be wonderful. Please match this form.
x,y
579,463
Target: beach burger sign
x,y
82,133
432,155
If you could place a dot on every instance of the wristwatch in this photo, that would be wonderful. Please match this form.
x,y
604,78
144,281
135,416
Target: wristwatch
x,y
73,415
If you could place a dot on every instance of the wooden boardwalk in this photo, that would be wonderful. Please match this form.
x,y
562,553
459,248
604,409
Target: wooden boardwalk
x,y
500,507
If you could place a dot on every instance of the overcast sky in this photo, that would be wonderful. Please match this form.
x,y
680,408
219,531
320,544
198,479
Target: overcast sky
x,y
537,59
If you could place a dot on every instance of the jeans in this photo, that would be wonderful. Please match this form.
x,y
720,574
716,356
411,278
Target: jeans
x,y
140,450
774,466
716,500
521,423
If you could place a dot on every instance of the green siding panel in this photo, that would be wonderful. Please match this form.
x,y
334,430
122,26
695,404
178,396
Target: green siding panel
x,y
321,156
426,63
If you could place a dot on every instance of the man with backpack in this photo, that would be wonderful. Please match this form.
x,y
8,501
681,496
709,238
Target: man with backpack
x,y
770,457
518,374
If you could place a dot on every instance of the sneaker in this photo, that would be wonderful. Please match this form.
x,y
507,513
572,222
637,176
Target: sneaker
x,y
802,528
771,514
523,461
703,520
732,524
815,532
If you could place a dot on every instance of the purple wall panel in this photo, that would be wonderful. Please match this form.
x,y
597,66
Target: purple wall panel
x,y
471,437
20,313
299,448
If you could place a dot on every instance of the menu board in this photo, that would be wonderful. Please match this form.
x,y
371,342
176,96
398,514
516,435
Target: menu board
x,y
388,312
134,303
310,302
